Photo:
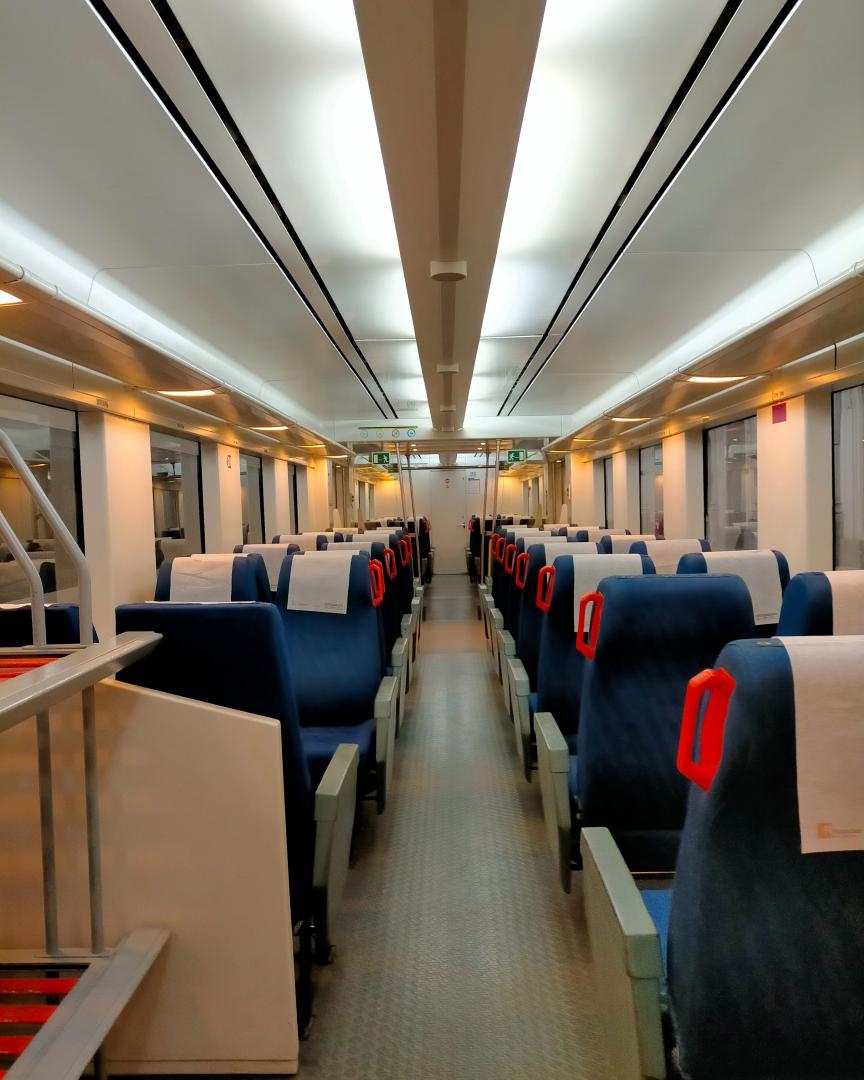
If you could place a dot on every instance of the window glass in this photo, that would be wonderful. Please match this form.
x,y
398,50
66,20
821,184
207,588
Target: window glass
x,y
651,489
174,468
849,479
251,499
731,520
47,439
609,493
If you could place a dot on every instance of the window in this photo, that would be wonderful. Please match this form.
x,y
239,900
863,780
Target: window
x,y
251,499
731,521
48,441
651,490
175,472
608,488
849,478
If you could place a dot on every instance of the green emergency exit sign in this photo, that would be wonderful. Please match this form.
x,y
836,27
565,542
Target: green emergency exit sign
x,y
381,458
517,455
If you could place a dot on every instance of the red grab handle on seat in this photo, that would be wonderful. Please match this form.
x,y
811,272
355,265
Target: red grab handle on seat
x,y
376,580
499,549
390,562
509,557
589,647
404,551
544,602
720,684
521,564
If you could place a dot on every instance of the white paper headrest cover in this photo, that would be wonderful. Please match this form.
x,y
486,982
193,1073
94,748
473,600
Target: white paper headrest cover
x,y
351,545
588,572
273,556
759,571
319,582
305,541
201,581
847,600
828,685
666,553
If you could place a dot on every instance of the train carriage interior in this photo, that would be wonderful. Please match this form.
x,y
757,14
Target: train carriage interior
x,y
432,539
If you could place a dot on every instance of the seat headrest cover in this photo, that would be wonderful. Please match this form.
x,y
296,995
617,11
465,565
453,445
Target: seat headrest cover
x,y
828,687
305,541
589,570
664,553
202,581
847,600
319,581
353,545
553,548
273,556
760,572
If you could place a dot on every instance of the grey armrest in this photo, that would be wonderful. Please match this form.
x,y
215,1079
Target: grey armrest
x,y
399,664
520,711
385,734
335,807
553,765
628,969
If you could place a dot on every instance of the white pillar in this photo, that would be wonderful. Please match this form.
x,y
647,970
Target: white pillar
x,y
625,490
117,504
587,491
220,491
683,485
276,482
794,504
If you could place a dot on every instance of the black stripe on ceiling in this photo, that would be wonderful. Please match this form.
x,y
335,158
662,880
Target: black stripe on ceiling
x,y
690,78
107,17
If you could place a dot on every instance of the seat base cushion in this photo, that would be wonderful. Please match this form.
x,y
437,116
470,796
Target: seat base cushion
x,y
320,744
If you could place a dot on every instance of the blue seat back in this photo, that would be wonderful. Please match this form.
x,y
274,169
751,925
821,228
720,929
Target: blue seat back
x,y
656,633
61,625
389,617
516,596
808,604
335,660
234,655
766,945
696,563
560,666
248,577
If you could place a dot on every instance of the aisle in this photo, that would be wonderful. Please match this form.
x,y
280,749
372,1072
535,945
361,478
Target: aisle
x,y
458,957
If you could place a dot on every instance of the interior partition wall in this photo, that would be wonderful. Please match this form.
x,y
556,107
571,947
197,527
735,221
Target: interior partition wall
x,y
731,512
651,490
47,438
848,440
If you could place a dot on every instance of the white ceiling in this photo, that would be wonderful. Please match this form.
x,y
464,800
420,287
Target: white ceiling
x,y
770,207
101,194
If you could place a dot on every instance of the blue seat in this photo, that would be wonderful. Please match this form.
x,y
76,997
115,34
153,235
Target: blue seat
x,y
244,578
808,604
337,670
304,541
61,625
754,566
766,944
655,634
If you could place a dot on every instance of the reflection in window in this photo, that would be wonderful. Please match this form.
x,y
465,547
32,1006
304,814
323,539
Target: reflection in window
x,y
48,441
849,479
609,493
651,489
731,521
251,499
176,496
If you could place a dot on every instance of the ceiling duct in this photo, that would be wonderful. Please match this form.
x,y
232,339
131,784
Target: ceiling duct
x,y
448,460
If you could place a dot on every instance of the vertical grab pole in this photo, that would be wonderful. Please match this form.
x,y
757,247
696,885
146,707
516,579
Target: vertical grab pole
x,y
43,745
402,487
414,511
483,526
495,494
88,696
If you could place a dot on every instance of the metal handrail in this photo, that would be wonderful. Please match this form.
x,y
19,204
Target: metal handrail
x,y
62,535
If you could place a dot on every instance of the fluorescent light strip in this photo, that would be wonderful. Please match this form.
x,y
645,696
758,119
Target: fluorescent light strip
x,y
7,299
161,95
737,84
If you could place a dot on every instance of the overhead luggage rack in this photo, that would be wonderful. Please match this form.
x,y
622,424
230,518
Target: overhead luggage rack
x,y
57,1005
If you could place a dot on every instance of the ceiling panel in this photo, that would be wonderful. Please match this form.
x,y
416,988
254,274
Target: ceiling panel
x,y
771,205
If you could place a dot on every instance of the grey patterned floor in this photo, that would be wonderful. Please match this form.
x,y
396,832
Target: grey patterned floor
x,y
458,956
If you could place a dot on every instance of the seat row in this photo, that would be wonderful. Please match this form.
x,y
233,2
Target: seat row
x,y
624,683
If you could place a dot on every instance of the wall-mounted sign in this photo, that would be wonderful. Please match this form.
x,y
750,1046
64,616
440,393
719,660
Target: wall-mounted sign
x,y
517,455
380,458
